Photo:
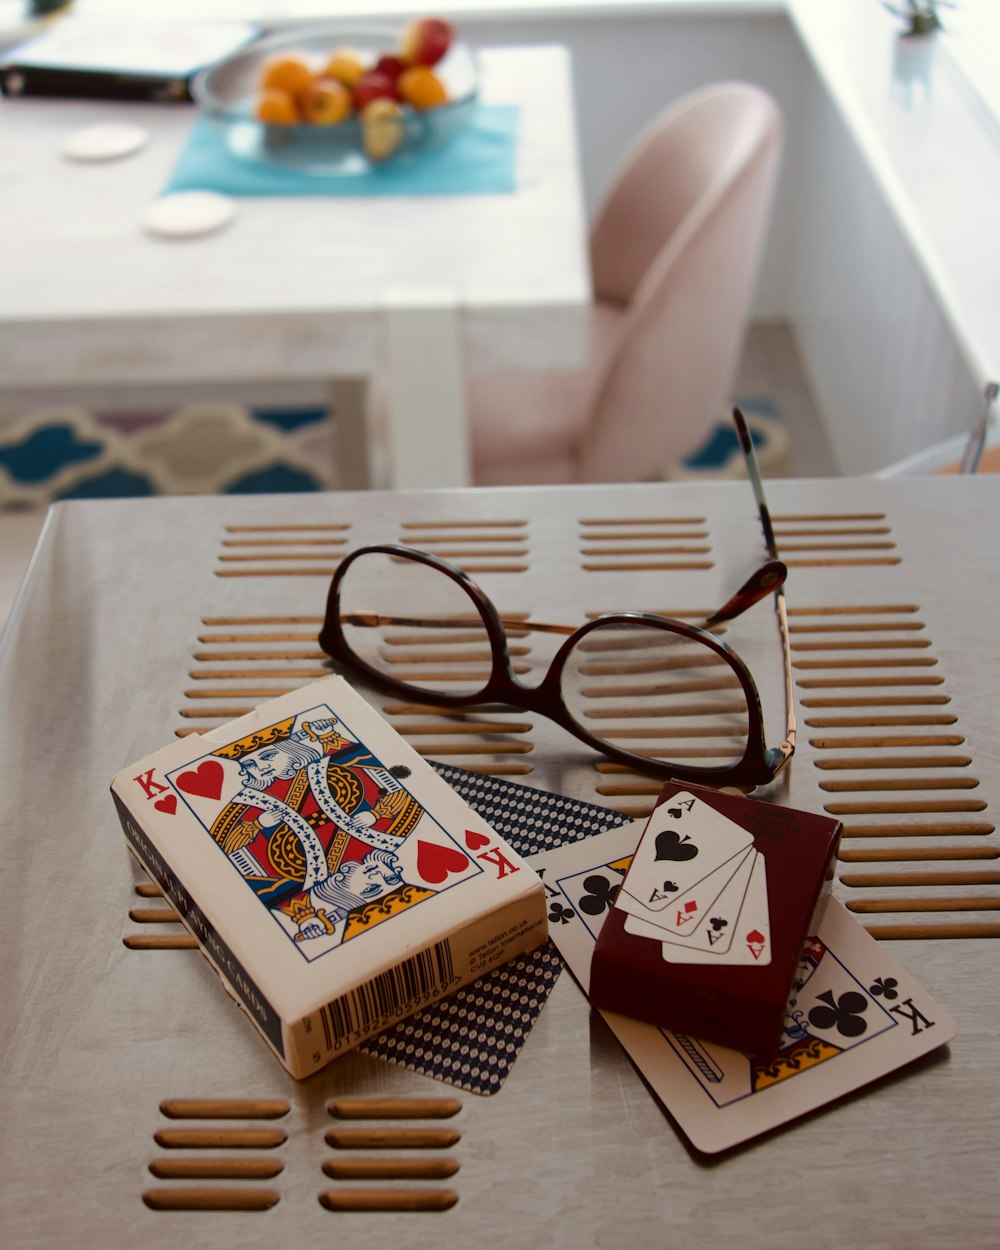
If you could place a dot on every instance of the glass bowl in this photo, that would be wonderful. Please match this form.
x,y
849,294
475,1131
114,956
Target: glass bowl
x,y
227,94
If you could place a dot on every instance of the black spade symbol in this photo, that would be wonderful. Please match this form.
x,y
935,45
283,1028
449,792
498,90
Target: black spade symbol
x,y
670,845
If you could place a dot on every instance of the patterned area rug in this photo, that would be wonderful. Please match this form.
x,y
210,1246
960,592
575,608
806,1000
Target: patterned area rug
x,y
199,448
230,448
720,455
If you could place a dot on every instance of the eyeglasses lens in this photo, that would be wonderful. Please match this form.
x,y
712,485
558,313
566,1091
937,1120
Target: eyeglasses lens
x,y
438,641
655,693
643,689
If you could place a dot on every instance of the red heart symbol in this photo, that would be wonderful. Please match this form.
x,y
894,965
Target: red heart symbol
x,y
755,943
434,862
475,840
205,780
167,804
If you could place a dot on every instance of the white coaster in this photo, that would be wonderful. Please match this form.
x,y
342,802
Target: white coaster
x,y
106,141
188,213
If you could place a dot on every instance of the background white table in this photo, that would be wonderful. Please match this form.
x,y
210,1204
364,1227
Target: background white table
x,y
411,289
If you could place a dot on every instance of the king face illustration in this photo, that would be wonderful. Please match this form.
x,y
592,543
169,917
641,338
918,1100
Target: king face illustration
x,y
316,825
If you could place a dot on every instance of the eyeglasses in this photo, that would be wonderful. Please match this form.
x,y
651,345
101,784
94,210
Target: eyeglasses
x,y
623,683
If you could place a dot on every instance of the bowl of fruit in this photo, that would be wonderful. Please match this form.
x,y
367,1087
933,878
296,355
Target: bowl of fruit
x,y
333,98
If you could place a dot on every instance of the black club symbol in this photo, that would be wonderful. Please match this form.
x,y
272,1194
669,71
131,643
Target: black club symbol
x,y
886,986
844,1012
558,914
600,894
718,924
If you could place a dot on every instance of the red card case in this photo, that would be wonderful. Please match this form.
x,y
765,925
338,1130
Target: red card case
x,y
737,1006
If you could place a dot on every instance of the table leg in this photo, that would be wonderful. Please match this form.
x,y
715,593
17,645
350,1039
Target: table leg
x,y
426,429
352,450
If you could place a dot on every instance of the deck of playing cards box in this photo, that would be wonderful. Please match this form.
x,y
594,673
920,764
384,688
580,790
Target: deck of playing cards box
x,y
706,930
332,878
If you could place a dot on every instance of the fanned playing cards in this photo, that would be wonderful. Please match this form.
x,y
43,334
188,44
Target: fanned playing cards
x,y
707,926
695,884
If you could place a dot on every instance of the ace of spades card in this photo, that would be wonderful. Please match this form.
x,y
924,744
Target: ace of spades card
x,y
335,881
698,920
686,857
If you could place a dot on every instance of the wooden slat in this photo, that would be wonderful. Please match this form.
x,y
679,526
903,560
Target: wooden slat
x,y
391,1169
220,1138
212,1168
388,1199
209,1199
392,1138
394,1108
224,1108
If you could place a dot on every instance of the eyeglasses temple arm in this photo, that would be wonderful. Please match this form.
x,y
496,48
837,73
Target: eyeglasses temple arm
x,y
756,481
753,472
363,619
769,577
976,442
787,748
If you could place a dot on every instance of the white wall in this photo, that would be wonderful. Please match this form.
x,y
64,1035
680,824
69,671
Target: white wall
x,y
879,350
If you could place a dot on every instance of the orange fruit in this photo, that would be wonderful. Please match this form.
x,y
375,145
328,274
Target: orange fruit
x,y
277,108
421,88
287,73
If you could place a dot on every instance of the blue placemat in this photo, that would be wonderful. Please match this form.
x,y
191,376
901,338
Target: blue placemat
x,y
480,160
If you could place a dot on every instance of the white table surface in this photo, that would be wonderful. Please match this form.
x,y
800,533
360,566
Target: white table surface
x,y
298,288
573,1153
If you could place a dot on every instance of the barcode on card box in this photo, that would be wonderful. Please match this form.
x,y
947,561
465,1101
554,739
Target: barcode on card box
x,y
397,992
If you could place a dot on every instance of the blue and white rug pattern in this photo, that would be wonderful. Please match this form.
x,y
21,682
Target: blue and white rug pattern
x,y
231,448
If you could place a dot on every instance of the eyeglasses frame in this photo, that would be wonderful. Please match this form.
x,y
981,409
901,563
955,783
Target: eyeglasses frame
x,y
758,764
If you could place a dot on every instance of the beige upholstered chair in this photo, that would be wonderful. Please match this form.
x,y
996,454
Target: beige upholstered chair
x,y
674,253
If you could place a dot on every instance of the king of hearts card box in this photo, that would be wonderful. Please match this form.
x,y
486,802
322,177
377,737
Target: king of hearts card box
x,y
335,882
706,930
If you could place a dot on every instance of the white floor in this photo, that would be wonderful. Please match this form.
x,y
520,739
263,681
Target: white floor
x,y
770,367
18,534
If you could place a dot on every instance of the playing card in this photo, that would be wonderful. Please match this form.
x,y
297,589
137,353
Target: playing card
x,y
679,922
686,857
736,928
854,1014
471,1038
749,933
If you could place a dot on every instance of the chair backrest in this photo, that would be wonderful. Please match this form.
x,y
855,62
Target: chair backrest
x,y
677,244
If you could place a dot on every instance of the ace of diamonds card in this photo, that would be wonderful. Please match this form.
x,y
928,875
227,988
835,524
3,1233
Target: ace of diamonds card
x,y
334,881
